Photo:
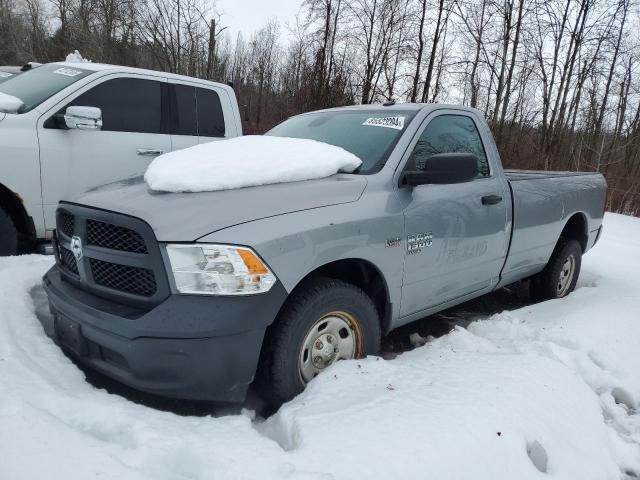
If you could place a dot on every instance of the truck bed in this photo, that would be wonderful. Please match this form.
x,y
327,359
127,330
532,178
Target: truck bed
x,y
543,202
513,175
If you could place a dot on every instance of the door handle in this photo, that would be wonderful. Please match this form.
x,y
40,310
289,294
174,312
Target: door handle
x,y
491,199
148,152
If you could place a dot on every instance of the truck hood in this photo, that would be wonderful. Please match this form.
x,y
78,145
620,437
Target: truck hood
x,y
186,217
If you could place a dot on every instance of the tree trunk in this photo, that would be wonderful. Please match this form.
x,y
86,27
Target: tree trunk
x,y
512,65
432,55
416,75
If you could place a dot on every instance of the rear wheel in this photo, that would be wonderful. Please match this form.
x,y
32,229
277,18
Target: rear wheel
x,y
559,277
8,235
324,321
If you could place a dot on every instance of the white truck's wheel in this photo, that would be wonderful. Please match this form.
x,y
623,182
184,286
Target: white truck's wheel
x,y
324,321
8,235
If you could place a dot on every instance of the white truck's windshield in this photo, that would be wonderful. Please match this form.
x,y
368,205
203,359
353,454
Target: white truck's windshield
x,y
35,86
371,134
7,72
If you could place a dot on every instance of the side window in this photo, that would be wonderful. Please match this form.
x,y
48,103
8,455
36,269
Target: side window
x,y
127,104
183,111
210,116
451,134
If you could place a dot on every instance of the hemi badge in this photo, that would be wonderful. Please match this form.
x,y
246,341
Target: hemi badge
x,y
392,242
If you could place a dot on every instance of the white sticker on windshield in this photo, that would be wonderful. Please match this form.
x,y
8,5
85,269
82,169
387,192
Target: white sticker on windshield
x,y
69,72
5,74
387,122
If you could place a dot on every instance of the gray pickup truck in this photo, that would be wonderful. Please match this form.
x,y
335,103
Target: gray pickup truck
x,y
199,295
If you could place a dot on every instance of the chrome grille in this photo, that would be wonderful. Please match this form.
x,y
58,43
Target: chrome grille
x,y
125,278
111,236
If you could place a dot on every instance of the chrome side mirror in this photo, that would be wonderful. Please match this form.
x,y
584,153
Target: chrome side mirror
x,y
83,118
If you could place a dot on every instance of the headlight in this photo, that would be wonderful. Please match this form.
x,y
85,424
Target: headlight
x,y
218,270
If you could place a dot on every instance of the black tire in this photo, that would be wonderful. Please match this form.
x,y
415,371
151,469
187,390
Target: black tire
x,y
8,235
278,378
547,284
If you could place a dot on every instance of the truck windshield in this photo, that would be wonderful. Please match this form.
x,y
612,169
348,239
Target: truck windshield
x,y
35,86
370,134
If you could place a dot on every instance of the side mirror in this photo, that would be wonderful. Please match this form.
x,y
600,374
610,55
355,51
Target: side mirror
x,y
83,118
443,168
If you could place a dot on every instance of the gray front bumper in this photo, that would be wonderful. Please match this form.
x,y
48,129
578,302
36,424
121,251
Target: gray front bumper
x,y
192,347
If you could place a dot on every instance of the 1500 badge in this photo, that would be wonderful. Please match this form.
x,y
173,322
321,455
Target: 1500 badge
x,y
415,243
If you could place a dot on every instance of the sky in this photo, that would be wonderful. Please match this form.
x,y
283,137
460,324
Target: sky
x,y
247,16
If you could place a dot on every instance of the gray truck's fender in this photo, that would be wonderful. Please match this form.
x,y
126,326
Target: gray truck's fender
x,y
296,244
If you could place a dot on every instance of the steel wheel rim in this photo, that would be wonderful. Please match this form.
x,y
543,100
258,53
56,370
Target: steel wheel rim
x,y
566,275
334,336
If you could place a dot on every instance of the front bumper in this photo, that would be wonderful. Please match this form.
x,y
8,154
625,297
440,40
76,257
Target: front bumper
x,y
191,347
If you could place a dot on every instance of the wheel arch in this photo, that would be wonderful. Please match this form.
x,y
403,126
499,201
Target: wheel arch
x,y
10,202
362,273
576,228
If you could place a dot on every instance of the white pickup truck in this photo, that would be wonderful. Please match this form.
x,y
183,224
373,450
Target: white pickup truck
x,y
68,127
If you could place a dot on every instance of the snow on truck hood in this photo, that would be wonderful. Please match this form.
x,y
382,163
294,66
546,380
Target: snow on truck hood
x,y
188,216
286,175
246,162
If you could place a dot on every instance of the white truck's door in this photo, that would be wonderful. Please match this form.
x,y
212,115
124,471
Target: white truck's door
x,y
134,131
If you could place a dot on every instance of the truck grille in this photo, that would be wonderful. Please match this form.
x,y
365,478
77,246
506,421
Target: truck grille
x,y
65,223
68,260
139,281
107,235
120,259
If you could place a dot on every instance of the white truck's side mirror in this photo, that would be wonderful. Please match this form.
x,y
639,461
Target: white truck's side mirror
x,y
83,118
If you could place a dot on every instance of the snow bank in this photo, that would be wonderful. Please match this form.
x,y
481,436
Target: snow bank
x,y
247,161
9,103
76,57
552,387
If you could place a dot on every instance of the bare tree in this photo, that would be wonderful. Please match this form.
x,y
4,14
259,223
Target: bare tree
x,y
559,80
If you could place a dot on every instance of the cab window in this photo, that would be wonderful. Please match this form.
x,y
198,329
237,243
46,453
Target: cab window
x,y
127,104
210,117
196,111
451,134
184,120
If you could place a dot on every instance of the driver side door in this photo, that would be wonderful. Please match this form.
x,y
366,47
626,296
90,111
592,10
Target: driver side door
x,y
455,240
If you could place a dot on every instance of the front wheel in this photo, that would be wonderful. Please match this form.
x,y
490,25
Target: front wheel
x,y
326,320
8,235
559,277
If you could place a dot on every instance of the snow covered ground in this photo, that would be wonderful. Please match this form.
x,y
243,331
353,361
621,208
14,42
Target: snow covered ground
x,y
552,387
